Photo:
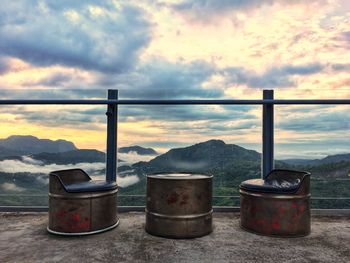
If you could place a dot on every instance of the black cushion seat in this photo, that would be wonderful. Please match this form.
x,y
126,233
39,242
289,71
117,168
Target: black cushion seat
x,y
78,181
271,186
91,186
277,182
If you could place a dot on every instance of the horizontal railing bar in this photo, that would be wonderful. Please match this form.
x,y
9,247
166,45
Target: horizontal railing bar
x,y
175,102
55,102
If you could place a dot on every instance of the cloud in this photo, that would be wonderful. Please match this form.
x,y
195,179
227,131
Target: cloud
x,y
11,187
157,78
132,157
312,132
4,65
17,166
123,181
183,113
275,77
68,4
79,34
54,93
211,6
317,121
346,36
201,9
40,172
162,79
128,180
54,80
64,118
341,67
190,165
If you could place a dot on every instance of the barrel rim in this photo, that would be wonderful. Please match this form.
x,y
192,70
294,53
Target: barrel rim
x,y
92,232
187,176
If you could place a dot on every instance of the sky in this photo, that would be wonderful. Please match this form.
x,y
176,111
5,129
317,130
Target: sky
x,y
187,49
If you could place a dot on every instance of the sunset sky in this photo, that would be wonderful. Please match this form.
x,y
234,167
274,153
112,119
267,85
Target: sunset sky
x,y
177,50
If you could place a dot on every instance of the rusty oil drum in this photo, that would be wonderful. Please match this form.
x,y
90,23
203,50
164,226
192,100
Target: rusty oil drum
x,y
179,205
277,214
80,213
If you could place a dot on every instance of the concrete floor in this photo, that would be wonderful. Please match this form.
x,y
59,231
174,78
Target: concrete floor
x,y
23,238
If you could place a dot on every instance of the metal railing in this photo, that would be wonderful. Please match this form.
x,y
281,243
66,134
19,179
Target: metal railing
x,y
113,101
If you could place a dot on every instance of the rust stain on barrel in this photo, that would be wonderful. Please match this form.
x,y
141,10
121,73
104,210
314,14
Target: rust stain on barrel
x,y
185,198
172,198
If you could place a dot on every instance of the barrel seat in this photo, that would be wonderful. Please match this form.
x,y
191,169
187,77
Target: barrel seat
x,y
278,205
179,205
79,205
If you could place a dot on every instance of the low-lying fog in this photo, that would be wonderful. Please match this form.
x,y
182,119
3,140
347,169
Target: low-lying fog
x,y
41,170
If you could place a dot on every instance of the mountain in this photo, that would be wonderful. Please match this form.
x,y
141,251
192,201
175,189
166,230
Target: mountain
x,y
334,159
138,149
25,145
313,162
298,161
71,157
4,152
229,163
202,157
332,166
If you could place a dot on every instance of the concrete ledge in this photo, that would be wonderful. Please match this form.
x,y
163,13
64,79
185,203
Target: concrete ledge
x,y
24,239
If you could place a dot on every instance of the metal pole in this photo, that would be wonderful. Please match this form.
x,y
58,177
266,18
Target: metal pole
x,y
267,135
112,125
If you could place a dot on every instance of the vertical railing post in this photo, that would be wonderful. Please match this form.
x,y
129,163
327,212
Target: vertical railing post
x,y
267,135
112,125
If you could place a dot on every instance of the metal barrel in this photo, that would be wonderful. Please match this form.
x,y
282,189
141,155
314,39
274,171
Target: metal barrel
x,y
80,213
283,215
179,205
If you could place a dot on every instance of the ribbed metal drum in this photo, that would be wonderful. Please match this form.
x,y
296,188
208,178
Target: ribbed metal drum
x,y
80,206
179,205
277,206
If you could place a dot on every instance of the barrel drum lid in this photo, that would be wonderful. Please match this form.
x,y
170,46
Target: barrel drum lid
x,y
179,205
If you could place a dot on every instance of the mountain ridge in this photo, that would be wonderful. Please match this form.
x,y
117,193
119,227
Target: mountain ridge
x,y
28,144
326,160
71,157
209,155
138,149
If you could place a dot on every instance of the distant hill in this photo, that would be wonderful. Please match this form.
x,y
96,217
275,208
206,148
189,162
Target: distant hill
x,y
332,166
313,162
229,163
297,161
71,157
334,159
25,145
138,149
4,152
206,156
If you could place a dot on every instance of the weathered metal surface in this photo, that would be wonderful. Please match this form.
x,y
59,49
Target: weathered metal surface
x,y
80,213
271,214
112,130
179,205
267,162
